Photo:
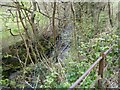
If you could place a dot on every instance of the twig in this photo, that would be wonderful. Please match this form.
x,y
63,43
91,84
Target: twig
x,y
29,84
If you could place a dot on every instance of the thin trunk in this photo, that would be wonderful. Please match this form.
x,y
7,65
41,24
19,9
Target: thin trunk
x,y
74,21
110,16
54,30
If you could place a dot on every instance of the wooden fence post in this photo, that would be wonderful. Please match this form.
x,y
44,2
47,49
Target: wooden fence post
x,y
101,68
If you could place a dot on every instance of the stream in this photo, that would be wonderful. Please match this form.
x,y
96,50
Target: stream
x,y
66,36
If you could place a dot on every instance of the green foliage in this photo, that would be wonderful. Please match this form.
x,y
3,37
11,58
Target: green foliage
x,y
50,81
4,82
64,85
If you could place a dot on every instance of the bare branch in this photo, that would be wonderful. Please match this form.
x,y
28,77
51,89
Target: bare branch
x,y
4,5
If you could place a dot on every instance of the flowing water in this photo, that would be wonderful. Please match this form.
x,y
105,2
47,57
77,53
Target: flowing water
x,y
66,37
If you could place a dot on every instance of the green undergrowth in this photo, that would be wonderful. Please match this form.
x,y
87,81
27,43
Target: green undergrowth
x,y
75,64
87,53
